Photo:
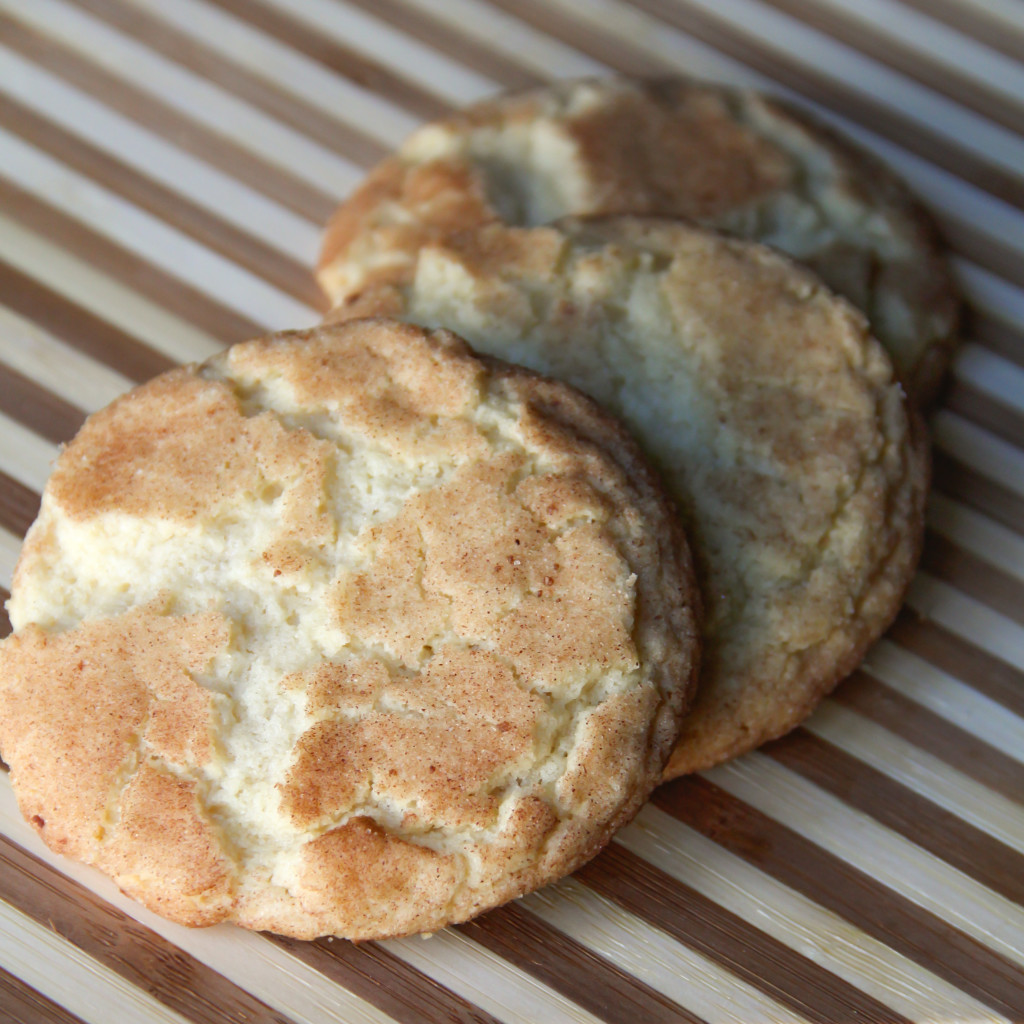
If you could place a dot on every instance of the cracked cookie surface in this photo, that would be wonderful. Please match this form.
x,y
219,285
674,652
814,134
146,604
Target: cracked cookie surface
x,y
728,158
345,631
770,410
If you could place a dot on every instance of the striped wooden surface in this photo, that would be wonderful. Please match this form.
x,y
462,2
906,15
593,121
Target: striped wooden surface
x,y
165,167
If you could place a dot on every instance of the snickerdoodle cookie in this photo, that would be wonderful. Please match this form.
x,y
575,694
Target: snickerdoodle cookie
x,y
729,158
347,631
771,411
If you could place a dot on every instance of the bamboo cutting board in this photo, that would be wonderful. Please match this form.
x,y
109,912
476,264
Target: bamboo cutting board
x,y
165,167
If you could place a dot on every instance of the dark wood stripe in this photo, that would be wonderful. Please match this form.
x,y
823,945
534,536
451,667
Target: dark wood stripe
x,y
997,334
966,485
725,938
995,255
855,896
381,978
997,418
451,42
78,327
5,621
343,60
614,51
942,77
975,23
40,410
19,505
174,210
22,1004
906,718
130,949
157,116
165,39
747,48
957,657
192,306
940,832
570,968
974,576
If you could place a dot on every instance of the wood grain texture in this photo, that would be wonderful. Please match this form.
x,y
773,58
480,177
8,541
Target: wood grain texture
x,y
373,972
930,827
22,1004
570,968
824,90
24,400
774,966
193,138
928,731
135,952
332,133
894,920
760,960
78,327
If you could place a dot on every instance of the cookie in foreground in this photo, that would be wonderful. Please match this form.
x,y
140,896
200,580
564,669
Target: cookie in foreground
x,y
729,158
772,413
345,632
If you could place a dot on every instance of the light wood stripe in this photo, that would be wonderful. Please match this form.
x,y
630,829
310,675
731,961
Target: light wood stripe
x,y
962,658
648,862
891,859
958,747
203,141
976,21
349,52
147,237
448,39
36,408
681,973
974,577
202,312
25,1005
931,778
264,222
998,334
982,451
199,224
162,119
243,77
381,978
288,72
512,39
62,370
955,700
10,548
132,951
991,294
756,843
485,979
70,978
406,57
859,27
549,955
119,314
954,478
742,43
19,505
256,965
190,94
24,455
977,534
868,86
990,374
984,411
